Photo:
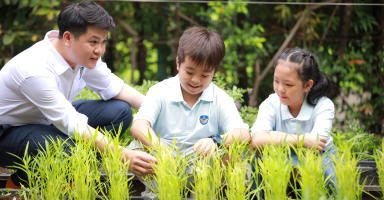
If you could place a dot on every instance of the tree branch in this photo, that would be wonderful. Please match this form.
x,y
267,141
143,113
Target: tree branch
x,y
327,29
186,18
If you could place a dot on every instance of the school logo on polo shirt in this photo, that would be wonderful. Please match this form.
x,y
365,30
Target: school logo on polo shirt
x,y
204,119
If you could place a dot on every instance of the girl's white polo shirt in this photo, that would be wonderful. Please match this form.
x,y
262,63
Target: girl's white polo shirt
x,y
275,116
37,87
170,116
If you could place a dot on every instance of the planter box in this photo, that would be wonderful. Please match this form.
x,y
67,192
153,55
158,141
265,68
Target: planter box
x,y
369,172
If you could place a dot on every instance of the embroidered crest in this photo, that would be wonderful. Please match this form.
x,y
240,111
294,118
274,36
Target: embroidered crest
x,y
204,119
81,71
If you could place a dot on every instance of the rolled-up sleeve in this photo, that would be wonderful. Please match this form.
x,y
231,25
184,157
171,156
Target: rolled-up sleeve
x,y
103,81
323,118
43,92
151,106
230,118
265,118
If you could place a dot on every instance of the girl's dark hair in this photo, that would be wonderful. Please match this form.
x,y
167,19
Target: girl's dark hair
x,y
308,69
76,18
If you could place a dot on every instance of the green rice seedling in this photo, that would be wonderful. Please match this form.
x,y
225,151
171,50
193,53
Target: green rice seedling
x,y
347,175
83,170
208,174
236,170
170,179
379,158
275,169
31,192
47,171
311,174
117,179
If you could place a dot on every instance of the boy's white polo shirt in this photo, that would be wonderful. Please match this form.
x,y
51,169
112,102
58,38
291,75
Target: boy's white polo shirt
x,y
37,87
316,120
172,118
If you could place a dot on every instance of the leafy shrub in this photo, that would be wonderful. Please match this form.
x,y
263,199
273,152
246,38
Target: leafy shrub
x,y
364,143
249,114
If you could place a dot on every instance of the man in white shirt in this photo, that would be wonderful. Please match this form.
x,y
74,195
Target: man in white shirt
x,y
38,85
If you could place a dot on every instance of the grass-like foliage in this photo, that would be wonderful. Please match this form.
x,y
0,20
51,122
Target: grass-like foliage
x,y
347,174
170,179
310,174
364,143
276,170
208,174
236,170
379,158
83,175
47,171
118,182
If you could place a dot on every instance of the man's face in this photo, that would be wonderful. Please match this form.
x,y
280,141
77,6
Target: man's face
x,y
87,49
193,79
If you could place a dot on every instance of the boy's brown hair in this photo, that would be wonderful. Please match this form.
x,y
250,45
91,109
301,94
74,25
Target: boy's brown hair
x,y
204,47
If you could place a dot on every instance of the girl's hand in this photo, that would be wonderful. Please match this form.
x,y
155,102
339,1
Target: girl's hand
x,y
311,141
205,146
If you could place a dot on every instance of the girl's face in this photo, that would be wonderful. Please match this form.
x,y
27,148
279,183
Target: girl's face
x,y
288,85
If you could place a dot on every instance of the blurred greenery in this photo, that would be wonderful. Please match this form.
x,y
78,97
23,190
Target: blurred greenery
x,y
351,53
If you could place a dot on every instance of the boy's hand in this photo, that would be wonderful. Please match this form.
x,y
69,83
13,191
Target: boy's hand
x,y
140,162
205,146
310,141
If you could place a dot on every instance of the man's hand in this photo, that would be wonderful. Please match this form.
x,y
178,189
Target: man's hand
x,y
205,146
140,162
310,141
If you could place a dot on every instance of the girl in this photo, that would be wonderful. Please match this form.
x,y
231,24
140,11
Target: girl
x,y
302,99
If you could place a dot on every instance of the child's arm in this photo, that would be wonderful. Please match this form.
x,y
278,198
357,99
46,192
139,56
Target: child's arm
x,y
141,129
206,145
147,115
239,134
261,138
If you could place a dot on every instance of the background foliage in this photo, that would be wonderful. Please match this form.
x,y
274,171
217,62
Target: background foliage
x,y
346,39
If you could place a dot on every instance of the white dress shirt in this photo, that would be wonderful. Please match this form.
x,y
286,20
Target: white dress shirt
x,y
37,87
316,120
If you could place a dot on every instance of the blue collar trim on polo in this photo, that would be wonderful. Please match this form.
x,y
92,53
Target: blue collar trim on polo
x,y
304,114
59,64
177,95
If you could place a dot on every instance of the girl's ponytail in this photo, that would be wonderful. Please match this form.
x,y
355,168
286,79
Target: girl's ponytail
x,y
322,87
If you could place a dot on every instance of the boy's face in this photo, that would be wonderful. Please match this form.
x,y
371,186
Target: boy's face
x,y
87,49
193,79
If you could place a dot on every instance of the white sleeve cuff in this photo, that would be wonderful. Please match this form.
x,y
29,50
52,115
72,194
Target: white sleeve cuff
x,y
113,89
138,117
77,125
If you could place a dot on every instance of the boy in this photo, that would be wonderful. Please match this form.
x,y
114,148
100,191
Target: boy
x,y
38,85
189,107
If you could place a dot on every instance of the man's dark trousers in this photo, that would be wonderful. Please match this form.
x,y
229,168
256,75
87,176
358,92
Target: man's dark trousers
x,y
14,139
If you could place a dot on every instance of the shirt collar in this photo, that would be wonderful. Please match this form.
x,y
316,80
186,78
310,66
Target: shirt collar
x,y
59,64
304,114
177,95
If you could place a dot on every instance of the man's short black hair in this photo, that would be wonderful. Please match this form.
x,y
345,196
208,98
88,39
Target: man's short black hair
x,y
76,17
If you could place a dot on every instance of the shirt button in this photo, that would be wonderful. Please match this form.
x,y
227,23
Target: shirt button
x,y
293,120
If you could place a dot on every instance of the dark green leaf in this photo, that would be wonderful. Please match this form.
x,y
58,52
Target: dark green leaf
x,y
8,39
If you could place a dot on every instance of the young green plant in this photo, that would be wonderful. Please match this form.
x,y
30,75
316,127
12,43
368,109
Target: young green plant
x,y
347,174
83,170
117,180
